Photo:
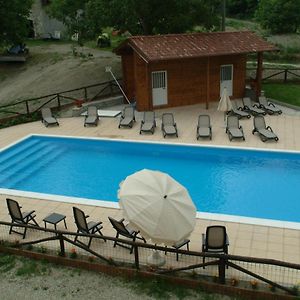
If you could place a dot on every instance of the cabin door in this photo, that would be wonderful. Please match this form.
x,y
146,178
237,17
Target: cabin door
x,y
226,76
159,88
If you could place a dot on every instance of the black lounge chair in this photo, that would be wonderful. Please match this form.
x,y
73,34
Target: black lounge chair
x,y
92,116
215,240
85,227
233,128
17,217
252,108
268,106
124,231
168,125
127,117
148,123
238,111
204,127
48,118
265,132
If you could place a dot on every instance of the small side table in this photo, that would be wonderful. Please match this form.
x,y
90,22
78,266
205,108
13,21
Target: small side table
x,y
54,219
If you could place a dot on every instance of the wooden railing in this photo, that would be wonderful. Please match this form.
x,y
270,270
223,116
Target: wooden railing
x,y
278,74
59,99
222,261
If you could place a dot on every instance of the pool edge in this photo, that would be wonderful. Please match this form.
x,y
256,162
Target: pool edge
x,y
115,205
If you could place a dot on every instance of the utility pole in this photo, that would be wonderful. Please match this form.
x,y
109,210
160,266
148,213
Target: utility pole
x,y
223,15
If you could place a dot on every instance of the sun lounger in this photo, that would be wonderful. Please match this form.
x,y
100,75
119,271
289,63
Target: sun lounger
x,y
168,125
92,116
148,123
124,231
233,129
265,132
252,108
238,111
85,227
268,106
17,217
204,127
47,117
127,117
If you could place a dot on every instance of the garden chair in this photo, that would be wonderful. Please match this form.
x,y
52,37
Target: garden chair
x,y
124,231
265,132
233,129
17,217
204,127
85,227
148,123
238,111
92,116
268,106
168,126
127,117
215,240
252,108
48,118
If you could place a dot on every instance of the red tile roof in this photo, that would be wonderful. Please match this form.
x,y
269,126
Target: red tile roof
x,y
174,46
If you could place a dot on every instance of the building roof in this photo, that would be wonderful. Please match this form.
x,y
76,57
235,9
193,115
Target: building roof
x,y
174,46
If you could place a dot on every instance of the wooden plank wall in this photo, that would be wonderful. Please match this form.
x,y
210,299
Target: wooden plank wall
x,y
187,79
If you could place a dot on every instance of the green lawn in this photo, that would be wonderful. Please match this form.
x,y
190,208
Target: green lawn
x,y
285,92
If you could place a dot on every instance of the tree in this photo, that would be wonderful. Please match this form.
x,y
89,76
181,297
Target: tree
x,y
279,16
73,14
138,17
156,16
242,8
14,21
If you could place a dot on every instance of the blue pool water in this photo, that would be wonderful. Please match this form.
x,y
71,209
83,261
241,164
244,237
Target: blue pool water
x,y
248,183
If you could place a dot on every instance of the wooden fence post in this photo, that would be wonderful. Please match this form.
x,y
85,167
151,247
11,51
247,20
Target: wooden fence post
x,y
222,266
62,244
85,94
58,101
136,257
27,107
285,75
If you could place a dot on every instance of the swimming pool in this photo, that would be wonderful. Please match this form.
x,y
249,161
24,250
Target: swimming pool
x,y
251,183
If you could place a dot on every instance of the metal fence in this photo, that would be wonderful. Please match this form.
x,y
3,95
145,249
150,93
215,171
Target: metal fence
x,y
230,269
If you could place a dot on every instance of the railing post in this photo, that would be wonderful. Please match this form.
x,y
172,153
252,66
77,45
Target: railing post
x,y
136,257
58,101
62,244
27,107
222,267
85,94
285,75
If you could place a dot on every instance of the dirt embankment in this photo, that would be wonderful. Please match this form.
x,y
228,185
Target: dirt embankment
x,y
54,68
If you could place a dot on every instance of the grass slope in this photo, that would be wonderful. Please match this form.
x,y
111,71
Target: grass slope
x,y
285,92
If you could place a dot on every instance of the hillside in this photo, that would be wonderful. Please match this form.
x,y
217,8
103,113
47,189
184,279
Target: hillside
x,y
53,68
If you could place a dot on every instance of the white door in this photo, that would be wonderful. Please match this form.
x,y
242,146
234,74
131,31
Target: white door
x,y
159,88
226,75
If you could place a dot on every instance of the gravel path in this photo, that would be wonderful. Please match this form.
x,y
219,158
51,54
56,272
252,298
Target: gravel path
x,y
27,279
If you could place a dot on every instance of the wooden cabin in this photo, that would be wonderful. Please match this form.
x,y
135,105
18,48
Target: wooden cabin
x,y
182,69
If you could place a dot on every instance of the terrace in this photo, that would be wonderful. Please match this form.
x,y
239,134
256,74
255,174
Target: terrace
x,y
245,239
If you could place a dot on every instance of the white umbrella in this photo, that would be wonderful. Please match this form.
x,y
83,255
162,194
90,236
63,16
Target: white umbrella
x,y
158,206
225,104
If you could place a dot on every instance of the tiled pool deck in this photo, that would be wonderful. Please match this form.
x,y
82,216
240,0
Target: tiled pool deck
x,y
245,239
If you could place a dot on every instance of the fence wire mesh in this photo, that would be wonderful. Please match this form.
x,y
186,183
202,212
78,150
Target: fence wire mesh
x,y
104,250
